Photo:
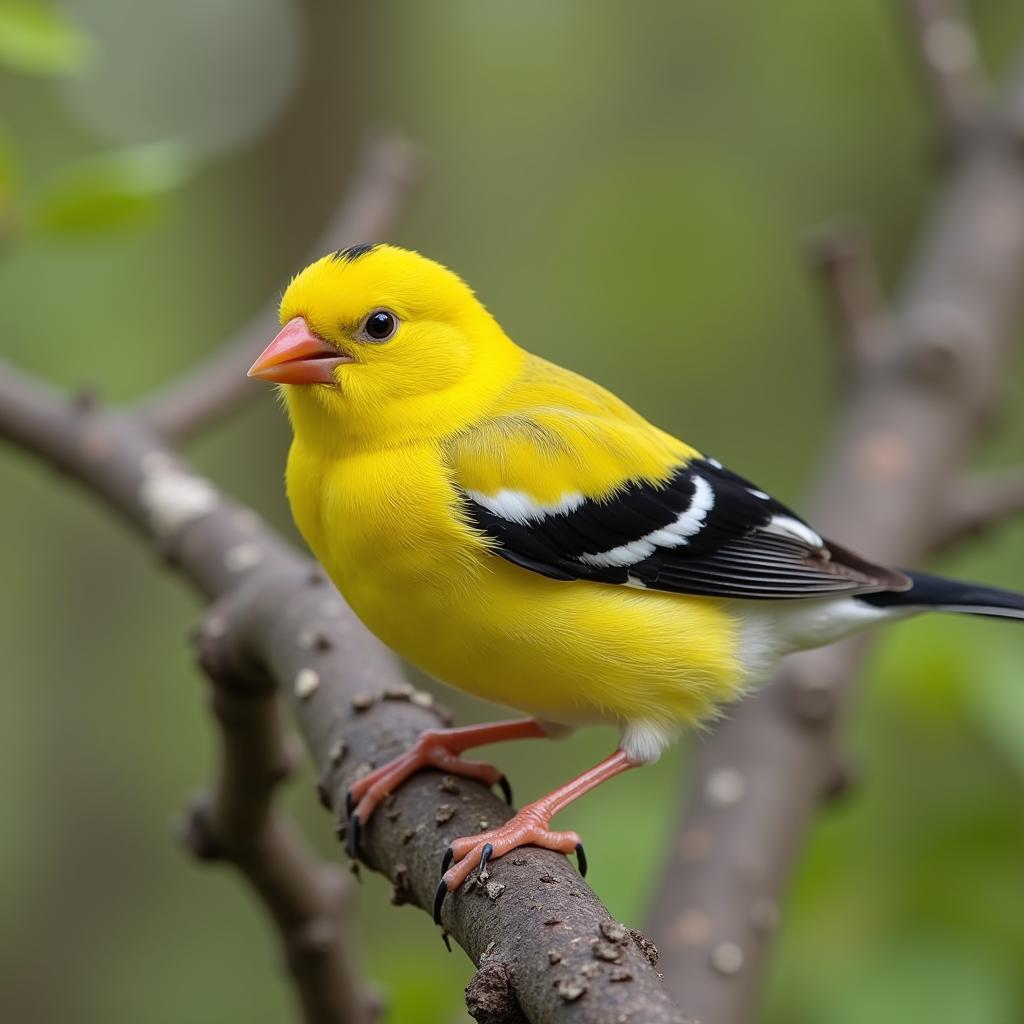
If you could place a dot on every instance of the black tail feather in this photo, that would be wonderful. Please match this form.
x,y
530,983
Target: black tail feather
x,y
951,596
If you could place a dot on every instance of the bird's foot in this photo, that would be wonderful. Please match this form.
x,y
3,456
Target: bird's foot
x,y
527,828
431,750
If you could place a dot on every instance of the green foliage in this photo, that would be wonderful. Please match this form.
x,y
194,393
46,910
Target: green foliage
x,y
110,191
93,194
922,978
39,39
8,176
997,702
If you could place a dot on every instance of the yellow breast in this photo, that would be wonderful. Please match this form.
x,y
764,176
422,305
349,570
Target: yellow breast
x,y
386,528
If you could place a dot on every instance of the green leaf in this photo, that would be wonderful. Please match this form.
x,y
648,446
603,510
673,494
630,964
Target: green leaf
x,y
40,40
113,191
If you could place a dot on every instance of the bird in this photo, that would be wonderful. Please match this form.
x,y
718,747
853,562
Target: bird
x,y
517,531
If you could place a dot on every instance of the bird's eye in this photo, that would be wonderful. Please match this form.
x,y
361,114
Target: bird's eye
x,y
380,325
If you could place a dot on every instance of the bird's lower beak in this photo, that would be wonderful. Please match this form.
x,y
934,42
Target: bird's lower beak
x,y
298,356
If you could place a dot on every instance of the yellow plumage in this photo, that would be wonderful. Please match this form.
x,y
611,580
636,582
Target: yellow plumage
x,y
451,404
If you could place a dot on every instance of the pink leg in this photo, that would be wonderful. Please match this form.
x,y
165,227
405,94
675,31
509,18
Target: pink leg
x,y
436,748
529,827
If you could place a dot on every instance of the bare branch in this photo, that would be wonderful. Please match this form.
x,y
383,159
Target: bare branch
x,y
841,256
907,428
238,823
948,54
977,505
389,169
353,709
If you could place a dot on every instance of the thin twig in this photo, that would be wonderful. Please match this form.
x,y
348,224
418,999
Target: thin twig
x,y
354,709
389,168
980,504
238,822
948,53
909,422
842,257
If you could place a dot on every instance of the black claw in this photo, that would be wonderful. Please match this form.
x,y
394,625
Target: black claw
x,y
581,860
350,804
449,856
355,827
447,942
485,856
442,891
506,790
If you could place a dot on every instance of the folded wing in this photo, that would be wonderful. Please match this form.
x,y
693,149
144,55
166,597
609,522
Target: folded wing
x,y
704,531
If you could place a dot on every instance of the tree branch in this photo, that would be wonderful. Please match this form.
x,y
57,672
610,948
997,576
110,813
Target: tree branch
x,y
948,56
979,504
388,170
552,939
908,424
238,823
841,256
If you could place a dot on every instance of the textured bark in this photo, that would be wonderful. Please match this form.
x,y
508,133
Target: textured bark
x,y
238,823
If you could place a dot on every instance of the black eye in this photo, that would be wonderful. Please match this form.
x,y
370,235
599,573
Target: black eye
x,y
380,325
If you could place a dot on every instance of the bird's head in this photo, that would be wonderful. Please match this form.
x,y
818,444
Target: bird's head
x,y
381,345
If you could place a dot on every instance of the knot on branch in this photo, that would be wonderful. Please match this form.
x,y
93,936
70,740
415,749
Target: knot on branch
x,y
85,399
221,653
400,891
811,690
490,998
312,940
644,944
840,781
840,254
94,437
938,351
812,699
977,505
197,832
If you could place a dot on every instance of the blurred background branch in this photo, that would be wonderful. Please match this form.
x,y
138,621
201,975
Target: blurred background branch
x,y
921,390
947,50
841,255
239,823
979,504
389,168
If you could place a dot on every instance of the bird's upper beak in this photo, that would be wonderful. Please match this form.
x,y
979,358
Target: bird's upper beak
x,y
298,356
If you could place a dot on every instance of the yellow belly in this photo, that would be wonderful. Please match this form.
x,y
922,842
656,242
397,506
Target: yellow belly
x,y
572,652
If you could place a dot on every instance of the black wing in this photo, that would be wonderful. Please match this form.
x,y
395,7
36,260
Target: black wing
x,y
705,531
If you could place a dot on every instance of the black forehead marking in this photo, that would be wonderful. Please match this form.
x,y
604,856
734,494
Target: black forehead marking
x,y
353,252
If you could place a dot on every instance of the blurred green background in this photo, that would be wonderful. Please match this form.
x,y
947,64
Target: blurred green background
x,y
628,187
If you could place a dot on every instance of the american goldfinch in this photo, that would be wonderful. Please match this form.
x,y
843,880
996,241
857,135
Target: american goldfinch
x,y
515,530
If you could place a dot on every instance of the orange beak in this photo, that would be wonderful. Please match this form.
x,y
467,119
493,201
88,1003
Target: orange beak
x,y
298,356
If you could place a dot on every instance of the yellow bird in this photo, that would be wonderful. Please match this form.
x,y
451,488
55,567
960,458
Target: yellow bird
x,y
517,531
